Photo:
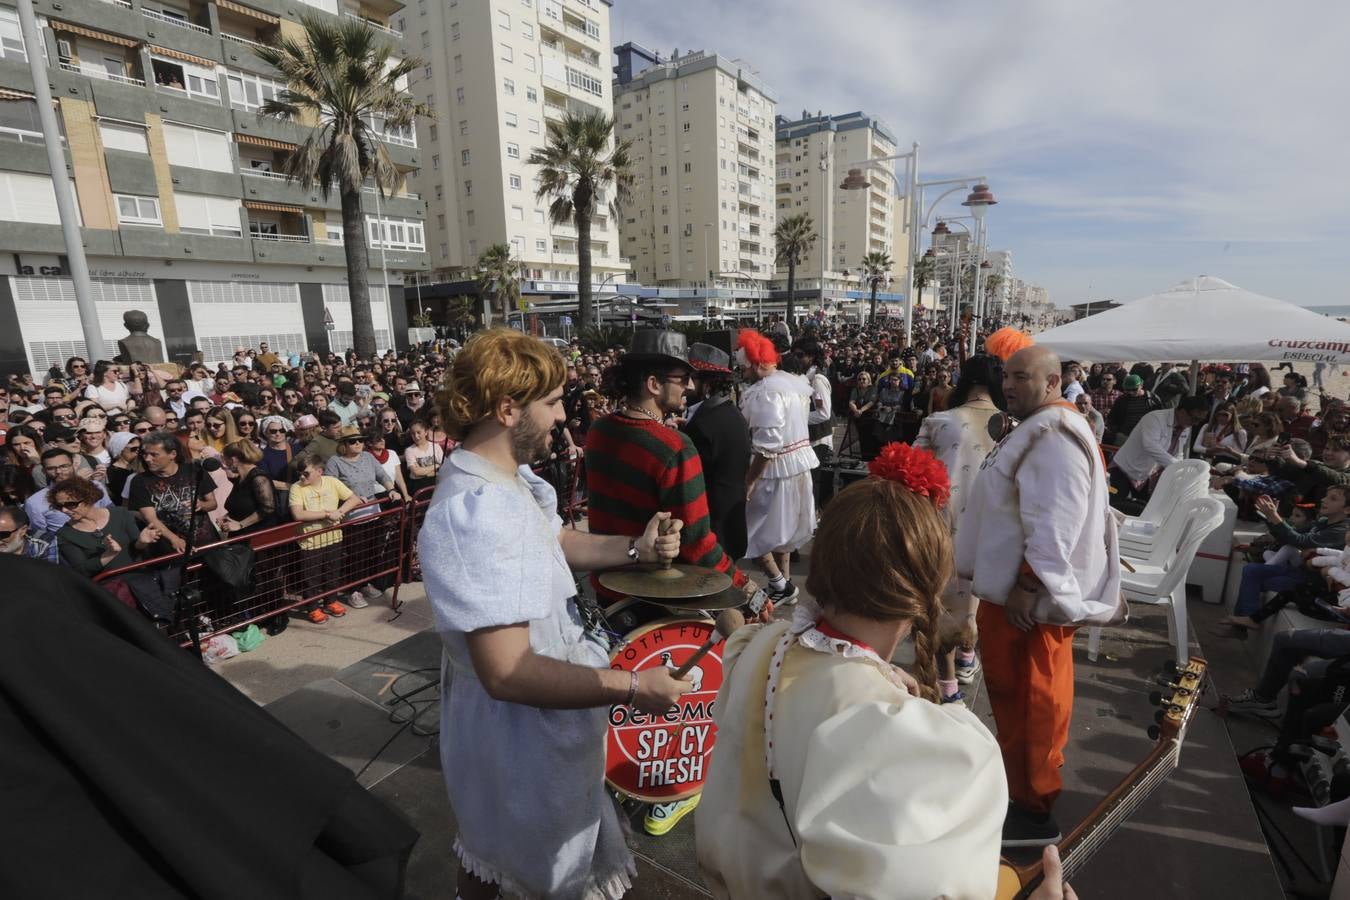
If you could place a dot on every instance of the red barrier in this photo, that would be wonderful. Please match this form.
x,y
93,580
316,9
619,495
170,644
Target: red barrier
x,y
372,551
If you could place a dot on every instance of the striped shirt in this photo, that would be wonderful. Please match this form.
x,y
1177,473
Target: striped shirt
x,y
636,468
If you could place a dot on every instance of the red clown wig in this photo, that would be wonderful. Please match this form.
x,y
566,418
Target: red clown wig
x,y
757,348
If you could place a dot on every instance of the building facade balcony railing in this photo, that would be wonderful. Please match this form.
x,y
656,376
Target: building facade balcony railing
x,y
378,26
102,74
280,238
240,39
171,20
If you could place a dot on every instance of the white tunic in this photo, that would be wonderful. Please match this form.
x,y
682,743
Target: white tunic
x,y
889,796
1041,496
526,784
780,513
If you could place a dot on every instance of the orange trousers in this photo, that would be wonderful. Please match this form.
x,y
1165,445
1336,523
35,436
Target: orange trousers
x,y
1029,677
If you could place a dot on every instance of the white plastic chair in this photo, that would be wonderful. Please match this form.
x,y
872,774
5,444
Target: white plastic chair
x,y
1179,482
1162,578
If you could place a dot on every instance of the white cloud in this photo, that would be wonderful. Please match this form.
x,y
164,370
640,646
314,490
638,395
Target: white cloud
x,y
1159,123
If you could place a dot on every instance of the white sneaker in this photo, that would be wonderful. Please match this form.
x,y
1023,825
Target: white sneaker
x,y
372,592
357,601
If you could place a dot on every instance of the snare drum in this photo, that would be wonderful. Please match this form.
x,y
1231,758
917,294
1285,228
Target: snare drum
x,y
665,757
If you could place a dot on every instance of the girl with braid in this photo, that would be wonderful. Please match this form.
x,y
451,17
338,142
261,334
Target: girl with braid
x,y
835,772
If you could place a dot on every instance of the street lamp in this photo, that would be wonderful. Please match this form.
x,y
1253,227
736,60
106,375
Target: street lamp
x,y
978,202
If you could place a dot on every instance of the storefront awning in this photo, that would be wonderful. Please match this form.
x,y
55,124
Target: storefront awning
x,y
260,206
91,33
185,57
240,138
247,11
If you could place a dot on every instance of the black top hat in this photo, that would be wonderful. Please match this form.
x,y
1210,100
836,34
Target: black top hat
x,y
654,345
709,360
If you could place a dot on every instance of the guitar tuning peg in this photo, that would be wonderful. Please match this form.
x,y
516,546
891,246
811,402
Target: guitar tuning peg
x,y
1154,732
1169,668
1155,697
1159,715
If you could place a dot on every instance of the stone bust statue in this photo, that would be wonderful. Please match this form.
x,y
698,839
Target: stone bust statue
x,y
138,346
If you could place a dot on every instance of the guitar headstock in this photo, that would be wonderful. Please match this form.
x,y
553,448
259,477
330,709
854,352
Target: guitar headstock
x,y
1185,685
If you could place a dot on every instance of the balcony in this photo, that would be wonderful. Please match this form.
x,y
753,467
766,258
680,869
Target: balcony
x,y
373,23
175,20
101,73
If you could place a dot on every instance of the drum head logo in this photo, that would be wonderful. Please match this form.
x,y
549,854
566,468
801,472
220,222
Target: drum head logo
x,y
665,757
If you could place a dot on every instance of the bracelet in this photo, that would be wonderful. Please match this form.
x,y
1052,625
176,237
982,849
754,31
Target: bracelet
x,y
632,689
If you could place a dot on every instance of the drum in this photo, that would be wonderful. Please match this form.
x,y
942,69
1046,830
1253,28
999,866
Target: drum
x,y
661,758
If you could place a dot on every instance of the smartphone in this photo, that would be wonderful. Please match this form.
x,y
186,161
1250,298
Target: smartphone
x,y
1284,438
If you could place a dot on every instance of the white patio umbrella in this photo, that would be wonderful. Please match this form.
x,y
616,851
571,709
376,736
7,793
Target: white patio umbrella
x,y
1204,319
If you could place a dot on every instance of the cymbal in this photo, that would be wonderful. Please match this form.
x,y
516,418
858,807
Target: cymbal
x,y
658,583
731,598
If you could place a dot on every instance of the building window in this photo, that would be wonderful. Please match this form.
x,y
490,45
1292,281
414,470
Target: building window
x,y
529,63
200,214
686,126
468,218
511,120
426,72
426,39
249,91
464,126
445,250
459,95
11,35
506,53
531,95
115,135
527,30
539,217
198,148
508,87
454,31
435,162
440,221
468,188
664,171
138,210
533,126
517,214
514,181
504,21
688,167
459,63
432,132
587,83
512,151
464,157
440,193
540,245
395,234
185,78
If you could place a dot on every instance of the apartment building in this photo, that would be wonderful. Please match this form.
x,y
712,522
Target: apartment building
x,y
813,157
497,72
701,126
1000,266
183,209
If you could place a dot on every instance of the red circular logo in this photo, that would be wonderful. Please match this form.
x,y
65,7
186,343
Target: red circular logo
x,y
665,757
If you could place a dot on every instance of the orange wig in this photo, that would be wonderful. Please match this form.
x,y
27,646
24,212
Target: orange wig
x,y
758,349
1007,341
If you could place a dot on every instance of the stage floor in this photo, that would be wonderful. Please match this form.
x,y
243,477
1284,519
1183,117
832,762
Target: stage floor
x,y
1197,837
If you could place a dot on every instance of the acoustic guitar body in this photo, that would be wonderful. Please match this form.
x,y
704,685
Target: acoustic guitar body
x,y
1015,883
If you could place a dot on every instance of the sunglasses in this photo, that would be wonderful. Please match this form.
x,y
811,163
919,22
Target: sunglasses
x,y
215,424
143,429
245,424
389,421
6,535
78,366
276,431
67,506
64,418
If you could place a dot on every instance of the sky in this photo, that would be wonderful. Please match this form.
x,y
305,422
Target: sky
x,y
1131,145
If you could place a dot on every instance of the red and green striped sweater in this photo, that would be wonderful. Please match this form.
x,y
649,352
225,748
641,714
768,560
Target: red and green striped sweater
x,y
636,468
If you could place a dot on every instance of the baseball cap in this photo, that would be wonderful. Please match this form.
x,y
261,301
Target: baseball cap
x,y
1132,382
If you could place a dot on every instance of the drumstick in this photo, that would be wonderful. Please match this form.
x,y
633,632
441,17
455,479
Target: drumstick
x,y
728,620
664,528
1126,563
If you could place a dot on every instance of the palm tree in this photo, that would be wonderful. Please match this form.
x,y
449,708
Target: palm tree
x,y
793,238
498,277
343,77
875,267
577,165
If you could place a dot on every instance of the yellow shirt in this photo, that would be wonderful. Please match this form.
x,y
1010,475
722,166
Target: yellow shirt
x,y
327,496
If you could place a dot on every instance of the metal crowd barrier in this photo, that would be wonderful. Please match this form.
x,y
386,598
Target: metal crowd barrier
x,y
373,550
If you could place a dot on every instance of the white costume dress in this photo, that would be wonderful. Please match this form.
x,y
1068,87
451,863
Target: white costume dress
x,y
780,515
960,439
526,784
888,795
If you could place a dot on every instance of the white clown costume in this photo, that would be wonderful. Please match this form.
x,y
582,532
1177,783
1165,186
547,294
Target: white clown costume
x,y
781,511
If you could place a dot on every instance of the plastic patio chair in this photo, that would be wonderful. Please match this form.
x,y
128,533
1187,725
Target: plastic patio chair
x,y
1179,482
1162,579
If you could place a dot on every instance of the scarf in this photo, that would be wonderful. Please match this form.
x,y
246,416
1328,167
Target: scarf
x,y
382,457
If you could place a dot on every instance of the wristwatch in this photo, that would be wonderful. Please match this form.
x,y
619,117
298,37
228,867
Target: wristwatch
x,y
632,549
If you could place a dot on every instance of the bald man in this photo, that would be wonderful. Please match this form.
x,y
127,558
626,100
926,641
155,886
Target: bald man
x,y
1039,544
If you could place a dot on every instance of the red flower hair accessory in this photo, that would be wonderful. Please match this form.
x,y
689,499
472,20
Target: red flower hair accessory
x,y
919,470
759,350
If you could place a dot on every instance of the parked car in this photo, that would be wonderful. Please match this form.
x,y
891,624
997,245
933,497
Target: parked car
x,y
556,342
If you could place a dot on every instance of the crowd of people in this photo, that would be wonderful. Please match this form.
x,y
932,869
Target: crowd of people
x,y
98,469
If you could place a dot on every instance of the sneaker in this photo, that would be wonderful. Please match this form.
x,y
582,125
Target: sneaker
x,y
371,592
357,600
784,597
1022,828
316,616
958,698
1263,773
335,608
967,670
662,817
1249,703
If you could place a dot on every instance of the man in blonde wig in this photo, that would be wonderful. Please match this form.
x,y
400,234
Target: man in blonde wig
x,y
525,687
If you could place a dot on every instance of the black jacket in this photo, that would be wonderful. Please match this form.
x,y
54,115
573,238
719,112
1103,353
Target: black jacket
x,y
131,769
722,438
